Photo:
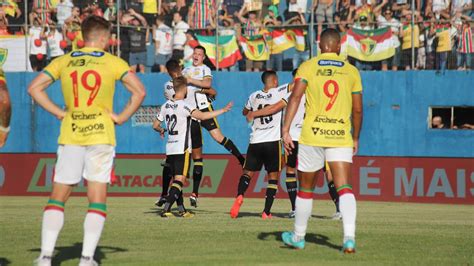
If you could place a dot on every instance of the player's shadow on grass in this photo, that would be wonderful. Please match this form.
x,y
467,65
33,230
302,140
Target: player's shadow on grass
x,y
157,211
74,252
318,239
4,261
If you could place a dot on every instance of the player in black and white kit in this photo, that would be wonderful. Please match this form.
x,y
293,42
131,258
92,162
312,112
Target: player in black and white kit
x,y
199,81
265,145
291,159
177,114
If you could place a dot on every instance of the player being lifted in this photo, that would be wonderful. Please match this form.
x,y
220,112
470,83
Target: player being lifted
x,y
177,114
291,159
199,81
87,137
265,145
333,92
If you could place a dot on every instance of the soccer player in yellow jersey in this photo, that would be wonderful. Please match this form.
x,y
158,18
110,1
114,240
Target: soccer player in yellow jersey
x,y
87,137
333,93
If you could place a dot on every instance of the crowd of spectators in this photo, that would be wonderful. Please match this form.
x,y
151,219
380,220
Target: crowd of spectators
x,y
165,29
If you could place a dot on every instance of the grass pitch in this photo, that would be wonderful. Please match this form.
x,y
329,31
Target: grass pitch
x,y
387,233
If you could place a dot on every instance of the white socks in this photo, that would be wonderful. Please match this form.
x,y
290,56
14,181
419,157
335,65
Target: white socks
x,y
347,205
304,207
53,221
93,225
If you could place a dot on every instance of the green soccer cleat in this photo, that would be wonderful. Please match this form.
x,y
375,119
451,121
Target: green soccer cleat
x,y
287,238
349,247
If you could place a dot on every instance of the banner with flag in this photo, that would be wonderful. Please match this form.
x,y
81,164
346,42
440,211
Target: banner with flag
x,y
14,53
255,48
368,45
297,36
228,49
278,41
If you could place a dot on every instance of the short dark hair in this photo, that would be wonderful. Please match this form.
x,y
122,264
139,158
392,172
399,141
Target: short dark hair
x,y
92,25
173,65
266,74
179,83
330,35
200,47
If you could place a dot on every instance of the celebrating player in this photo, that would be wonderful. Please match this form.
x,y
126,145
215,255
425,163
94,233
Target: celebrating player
x,y
87,138
291,159
333,95
265,145
199,80
5,109
177,115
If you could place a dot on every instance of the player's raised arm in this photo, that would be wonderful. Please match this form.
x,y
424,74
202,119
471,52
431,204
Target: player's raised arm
x,y
267,110
37,90
5,110
291,109
136,88
209,91
209,115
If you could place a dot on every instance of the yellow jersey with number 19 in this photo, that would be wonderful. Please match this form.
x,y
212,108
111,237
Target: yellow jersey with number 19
x,y
88,80
331,81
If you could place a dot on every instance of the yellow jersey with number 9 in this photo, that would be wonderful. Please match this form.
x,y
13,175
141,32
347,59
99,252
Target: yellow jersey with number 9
x,y
88,80
331,81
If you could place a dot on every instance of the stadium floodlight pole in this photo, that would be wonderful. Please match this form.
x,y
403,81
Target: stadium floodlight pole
x,y
413,34
311,31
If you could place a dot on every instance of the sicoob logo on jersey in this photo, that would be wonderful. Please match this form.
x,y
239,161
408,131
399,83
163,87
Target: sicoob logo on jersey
x,y
97,128
329,133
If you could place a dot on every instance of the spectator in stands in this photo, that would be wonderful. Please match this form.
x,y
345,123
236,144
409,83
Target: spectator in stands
x,y
437,123
37,37
200,14
163,36
344,16
407,43
275,62
63,12
251,26
232,7
150,11
298,21
13,15
443,44
387,20
54,38
465,47
3,23
324,11
440,8
138,34
179,36
111,12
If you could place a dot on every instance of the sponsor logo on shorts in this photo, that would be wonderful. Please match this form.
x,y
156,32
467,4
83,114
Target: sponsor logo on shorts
x,y
91,128
325,119
84,116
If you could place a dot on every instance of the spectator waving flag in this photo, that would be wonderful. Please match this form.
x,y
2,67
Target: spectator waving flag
x,y
297,37
228,49
278,41
466,43
255,48
368,45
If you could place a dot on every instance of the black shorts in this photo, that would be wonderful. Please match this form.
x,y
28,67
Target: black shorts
x,y
179,163
150,18
196,134
209,124
267,154
406,57
291,159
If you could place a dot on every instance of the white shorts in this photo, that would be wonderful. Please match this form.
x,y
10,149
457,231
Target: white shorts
x,y
312,158
94,163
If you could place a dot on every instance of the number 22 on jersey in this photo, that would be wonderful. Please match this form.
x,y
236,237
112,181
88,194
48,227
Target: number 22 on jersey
x,y
93,87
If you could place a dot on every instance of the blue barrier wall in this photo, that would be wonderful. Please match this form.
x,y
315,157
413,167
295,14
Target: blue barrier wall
x,y
396,107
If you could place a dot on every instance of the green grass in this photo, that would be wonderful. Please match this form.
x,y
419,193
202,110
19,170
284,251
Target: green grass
x,y
387,233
